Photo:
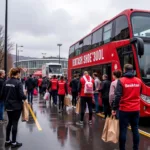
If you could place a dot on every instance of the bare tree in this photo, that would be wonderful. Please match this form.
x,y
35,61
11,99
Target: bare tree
x,y
9,48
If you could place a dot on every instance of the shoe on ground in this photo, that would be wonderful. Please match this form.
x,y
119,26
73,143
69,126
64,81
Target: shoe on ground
x,y
80,123
7,143
90,122
15,145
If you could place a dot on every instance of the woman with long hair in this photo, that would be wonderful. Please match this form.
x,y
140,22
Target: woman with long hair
x,y
13,96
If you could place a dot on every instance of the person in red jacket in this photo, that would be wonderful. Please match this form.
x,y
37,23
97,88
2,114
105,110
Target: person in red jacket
x,y
86,95
40,84
127,99
62,91
53,87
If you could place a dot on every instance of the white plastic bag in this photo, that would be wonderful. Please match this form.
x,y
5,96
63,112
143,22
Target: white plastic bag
x,y
46,96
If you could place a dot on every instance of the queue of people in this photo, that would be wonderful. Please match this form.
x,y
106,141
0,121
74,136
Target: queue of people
x,y
120,98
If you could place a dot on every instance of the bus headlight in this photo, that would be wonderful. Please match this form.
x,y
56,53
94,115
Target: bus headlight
x,y
145,98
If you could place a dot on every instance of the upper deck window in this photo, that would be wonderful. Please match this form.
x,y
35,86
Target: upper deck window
x,y
97,38
78,49
121,28
71,51
141,24
107,33
87,43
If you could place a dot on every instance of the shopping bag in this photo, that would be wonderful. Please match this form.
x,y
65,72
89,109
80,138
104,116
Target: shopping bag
x,y
105,130
46,96
35,92
78,107
25,112
111,130
67,101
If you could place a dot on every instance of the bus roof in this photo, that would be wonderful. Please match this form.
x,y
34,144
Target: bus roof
x,y
57,64
125,12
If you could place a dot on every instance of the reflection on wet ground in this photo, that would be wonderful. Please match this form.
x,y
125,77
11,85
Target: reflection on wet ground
x,y
59,131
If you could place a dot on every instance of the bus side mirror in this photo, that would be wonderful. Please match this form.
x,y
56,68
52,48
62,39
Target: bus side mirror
x,y
140,45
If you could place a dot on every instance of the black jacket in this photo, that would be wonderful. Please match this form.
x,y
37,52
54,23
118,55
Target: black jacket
x,y
105,89
12,94
74,85
1,84
30,84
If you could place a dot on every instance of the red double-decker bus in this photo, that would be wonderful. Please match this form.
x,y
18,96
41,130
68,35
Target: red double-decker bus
x,y
121,40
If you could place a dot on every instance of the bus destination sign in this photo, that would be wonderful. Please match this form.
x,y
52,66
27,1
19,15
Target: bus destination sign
x,y
88,58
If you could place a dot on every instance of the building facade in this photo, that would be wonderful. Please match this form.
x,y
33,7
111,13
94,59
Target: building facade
x,y
32,65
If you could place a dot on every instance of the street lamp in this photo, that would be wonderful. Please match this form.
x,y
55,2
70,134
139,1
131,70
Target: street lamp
x,y
17,54
44,54
59,51
6,27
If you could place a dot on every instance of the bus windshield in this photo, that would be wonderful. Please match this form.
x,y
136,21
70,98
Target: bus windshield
x,y
141,24
55,69
144,63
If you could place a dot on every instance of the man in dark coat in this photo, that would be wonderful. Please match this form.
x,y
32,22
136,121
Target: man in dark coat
x,y
105,95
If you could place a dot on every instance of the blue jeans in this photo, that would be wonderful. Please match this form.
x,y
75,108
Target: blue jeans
x,y
1,110
54,96
30,96
126,118
96,102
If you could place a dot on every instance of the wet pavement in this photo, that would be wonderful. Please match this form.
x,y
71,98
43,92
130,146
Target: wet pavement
x,y
59,131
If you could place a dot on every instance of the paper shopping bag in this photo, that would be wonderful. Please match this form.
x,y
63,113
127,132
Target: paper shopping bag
x,y
105,130
78,107
25,112
111,130
67,101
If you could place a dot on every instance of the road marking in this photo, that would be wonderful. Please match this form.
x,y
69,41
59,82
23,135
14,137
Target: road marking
x,y
140,131
35,119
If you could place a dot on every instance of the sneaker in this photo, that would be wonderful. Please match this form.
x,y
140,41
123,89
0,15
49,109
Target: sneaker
x,y
15,145
80,123
7,143
90,122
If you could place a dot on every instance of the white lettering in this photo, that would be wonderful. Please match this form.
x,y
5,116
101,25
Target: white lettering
x,y
10,85
88,58
132,85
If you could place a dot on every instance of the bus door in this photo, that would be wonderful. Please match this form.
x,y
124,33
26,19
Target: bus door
x,y
107,70
126,56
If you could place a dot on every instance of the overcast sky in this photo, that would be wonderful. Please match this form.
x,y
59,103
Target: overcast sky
x,y
40,24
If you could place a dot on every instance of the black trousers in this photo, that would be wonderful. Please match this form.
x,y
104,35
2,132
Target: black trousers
x,y
13,118
106,105
83,102
61,101
74,98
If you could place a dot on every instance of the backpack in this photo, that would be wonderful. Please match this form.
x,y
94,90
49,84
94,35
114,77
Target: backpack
x,y
88,88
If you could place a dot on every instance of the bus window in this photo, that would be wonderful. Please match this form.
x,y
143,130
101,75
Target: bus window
x,y
71,51
121,28
126,56
77,49
97,38
87,43
107,33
